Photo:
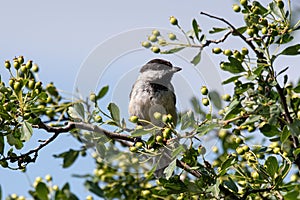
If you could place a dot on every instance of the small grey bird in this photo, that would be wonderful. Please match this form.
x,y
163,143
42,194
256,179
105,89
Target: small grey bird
x,y
153,92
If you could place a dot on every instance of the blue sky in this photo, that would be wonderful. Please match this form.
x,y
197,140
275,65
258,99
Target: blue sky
x,y
62,35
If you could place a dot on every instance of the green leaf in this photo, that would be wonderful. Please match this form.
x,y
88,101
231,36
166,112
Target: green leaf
x,y
231,79
202,130
226,164
42,191
231,185
215,98
79,109
171,51
187,120
274,8
285,135
291,50
139,132
114,112
297,89
170,169
196,28
69,157
269,130
2,144
233,109
101,149
94,188
177,151
26,131
271,165
240,30
196,59
292,195
102,92
251,119
234,66
217,30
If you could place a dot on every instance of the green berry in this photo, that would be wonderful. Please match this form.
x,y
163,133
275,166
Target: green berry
x,y
23,68
173,20
16,65
29,64
93,97
240,151
250,31
255,175
21,59
172,36
35,68
145,193
166,133
133,149
152,38
155,49
159,139
238,140
204,90
245,148
201,150
222,133
217,50
98,118
244,51
236,8
226,97
138,144
146,44
134,119
244,2
11,82
17,86
156,32
264,30
205,101
7,64
280,4
157,115
276,150
38,85
227,52
48,178
165,118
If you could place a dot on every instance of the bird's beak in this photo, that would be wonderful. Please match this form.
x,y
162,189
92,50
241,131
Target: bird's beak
x,y
176,69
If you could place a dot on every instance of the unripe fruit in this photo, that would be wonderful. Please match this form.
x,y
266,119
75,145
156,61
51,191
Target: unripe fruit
x,y
245,148
159,139
166,133
146,44
205,101
165,118
276,150
227,52
244,51
11,82
50,113
157,115
280,4
162,42
298,114
138,144
21,59
255,175
7,64
217,50
243,2
89,197
48,178
236,8
93,97
133,149
16,65
35,68
134,119
226,97
264,30
238,140
215,149
294,177
237,54
204,90
251,129
29,64
30,84
145,193
156,32
222,133
17,86
98,118
172,36
239,150
250,31
38,85
201,150
23,68
152,38
155,49
173,20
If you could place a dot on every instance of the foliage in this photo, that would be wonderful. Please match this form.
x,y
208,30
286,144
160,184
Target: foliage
x,y
264,108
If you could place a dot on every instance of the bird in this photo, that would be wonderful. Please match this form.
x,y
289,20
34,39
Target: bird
x,y
153,92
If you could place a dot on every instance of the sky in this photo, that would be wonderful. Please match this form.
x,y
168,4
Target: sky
x,y
88,44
